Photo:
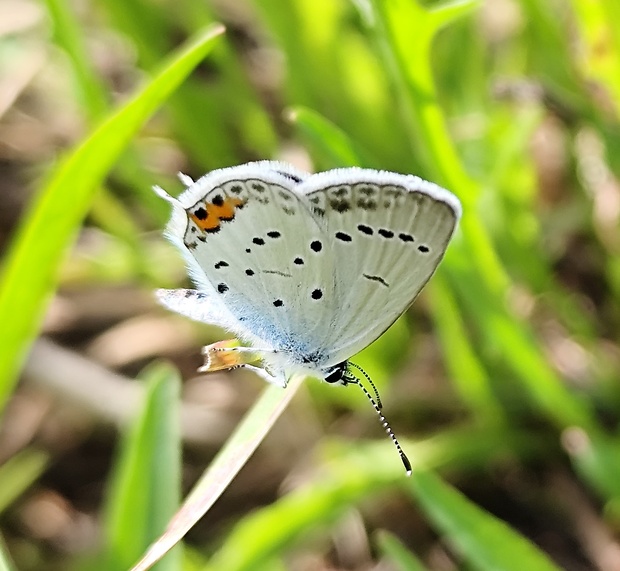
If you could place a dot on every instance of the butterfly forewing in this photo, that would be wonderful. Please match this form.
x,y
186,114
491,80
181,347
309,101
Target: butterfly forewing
x,y
264,254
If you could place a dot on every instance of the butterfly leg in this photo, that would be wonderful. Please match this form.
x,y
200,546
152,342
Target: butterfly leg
x,y
227,355
242,349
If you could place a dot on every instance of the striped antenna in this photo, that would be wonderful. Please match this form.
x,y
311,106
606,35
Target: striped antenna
x,y
379,403
351,378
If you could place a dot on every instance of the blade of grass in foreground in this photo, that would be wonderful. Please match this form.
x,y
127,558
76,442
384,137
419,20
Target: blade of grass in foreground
x,y
146,484
31,265
484,541
5,563
397,554
240,446
19,472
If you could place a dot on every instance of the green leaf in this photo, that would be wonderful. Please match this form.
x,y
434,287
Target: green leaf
x,y
397,554
51,222
447,12
5,562
328,139
19,473
145,486
483,540
69,35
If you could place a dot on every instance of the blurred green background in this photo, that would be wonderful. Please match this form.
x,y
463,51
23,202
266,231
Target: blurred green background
x,y
501,381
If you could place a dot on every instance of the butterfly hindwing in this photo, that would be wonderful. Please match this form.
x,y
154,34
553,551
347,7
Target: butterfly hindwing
x,y
388,233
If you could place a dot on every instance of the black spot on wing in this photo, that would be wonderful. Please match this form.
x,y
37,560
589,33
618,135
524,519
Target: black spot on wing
x,y
377,279
343,236
278,303
406,237
365,229
278,273
222,288
424,249
221,264
316,246
386,233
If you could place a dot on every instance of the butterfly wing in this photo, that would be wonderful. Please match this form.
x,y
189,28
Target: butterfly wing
x,y
388,234
250,241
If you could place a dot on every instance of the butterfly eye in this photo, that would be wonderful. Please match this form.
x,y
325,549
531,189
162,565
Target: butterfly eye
x,y
337,373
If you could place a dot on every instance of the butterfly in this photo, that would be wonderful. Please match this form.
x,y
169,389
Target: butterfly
x,y
306,270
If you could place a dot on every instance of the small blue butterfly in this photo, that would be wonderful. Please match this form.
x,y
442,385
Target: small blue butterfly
x,y
306,270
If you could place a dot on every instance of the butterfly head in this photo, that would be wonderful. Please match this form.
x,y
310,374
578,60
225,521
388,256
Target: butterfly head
x,y
337,374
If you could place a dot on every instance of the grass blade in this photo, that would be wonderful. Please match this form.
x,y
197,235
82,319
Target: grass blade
x,y
241,445
397,554
145,489
5,562
19,473
52,220
486,542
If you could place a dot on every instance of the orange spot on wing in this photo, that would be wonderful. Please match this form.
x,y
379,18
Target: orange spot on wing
x,y
216,213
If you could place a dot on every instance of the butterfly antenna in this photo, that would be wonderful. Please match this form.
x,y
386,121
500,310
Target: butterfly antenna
x,y
379,403
354,380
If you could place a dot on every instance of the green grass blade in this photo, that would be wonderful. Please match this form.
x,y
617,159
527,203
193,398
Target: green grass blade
x,y
397,554
145,488
241,445
51,222
484,541
69,35
466,370
19,473
598,25
326,139
5,561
